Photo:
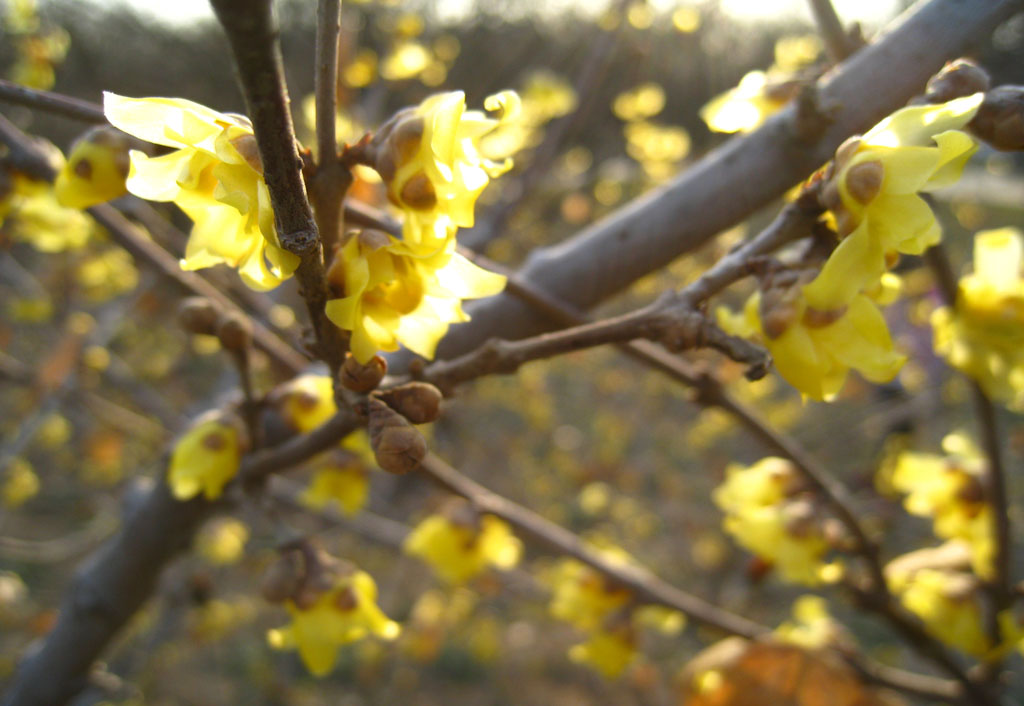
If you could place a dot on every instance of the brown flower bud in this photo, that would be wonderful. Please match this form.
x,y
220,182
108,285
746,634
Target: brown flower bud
x,y
1000,119
864,180
284,577
419,402
958,78
198,315
234,331
358,377
396,444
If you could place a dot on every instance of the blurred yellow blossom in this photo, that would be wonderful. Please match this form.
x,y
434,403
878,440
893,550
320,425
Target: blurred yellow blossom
x,y
342,479
406,60
214,175
745,107
30,212
950,490
983,334
393,296
345,613
872,189
206,458
96,169
222,541
20,483
107,274
459,545
812,627
639,103
306,401
766,513
583,597
608,651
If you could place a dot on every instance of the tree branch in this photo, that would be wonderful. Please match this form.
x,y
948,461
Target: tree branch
x,y
735,180
838,43
253,35
55,103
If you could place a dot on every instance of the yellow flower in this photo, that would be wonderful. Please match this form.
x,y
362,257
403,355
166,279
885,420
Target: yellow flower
x,y
766,515
30,212
745,107
582,597
814,352
222,541
459,550
206,458
20,483
983,335
644,101
392,295
96,169
607,651
343,480
306,401
812,627
948,603
344,614
949,490
214,175
429,160
872,190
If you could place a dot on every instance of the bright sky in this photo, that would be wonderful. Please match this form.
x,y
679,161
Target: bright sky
x,y
868,12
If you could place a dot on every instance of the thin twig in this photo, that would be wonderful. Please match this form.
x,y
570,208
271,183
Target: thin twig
x,y
838,43
253,35
1001,587
644,585
51,102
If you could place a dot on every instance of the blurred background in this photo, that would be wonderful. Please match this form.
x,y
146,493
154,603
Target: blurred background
x,y
97,379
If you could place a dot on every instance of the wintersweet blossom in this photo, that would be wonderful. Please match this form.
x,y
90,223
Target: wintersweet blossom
x,y
96,169
745,107
459,550
582,597
345,613
206,458
341,480
391,295
949,489
814,352
608,651
766,514
306,401
214,175
983,334
31,212
872,189
429,160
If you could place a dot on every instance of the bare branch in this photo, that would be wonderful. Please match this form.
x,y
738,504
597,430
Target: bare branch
x,y
838,42
51,102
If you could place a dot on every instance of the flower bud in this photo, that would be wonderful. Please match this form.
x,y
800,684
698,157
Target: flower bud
x,y
864,181
958,78
358,377
198,315
419,402
1000,118
234,331
396,444
283,578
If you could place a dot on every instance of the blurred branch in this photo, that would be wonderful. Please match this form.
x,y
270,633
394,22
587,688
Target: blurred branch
x,y
70,546
645,586
253,35
51,102
121,576
592,72
838,43
1000,588
733,181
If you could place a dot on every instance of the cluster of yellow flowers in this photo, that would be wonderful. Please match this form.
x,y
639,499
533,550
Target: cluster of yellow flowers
x,y
606,613
31,211
460,544
936,585
983,334
408,290
767,512
819,326
949,489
